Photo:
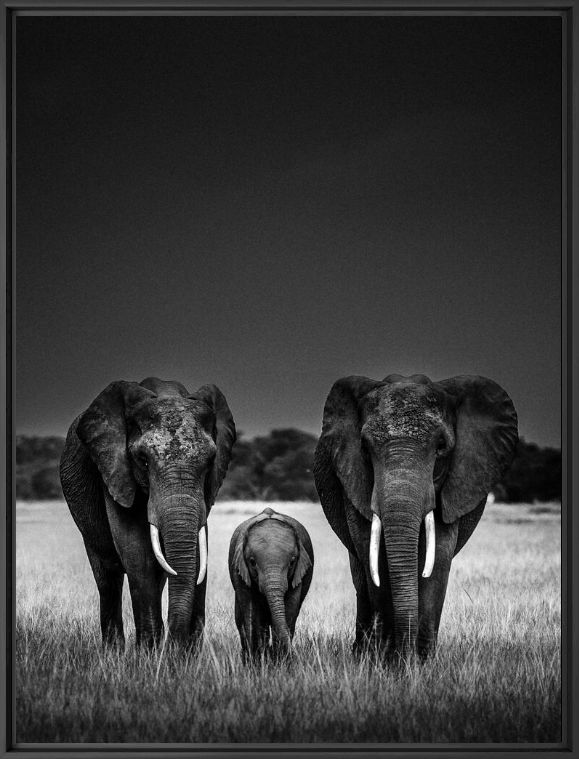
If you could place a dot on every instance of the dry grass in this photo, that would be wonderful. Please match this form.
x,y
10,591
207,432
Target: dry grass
x,y
495,677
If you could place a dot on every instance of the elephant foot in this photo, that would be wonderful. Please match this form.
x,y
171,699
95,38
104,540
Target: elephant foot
x,y
256,658
188,638
194,643
114,643
280,654
113,637
149,640
401,660
370,645
426,645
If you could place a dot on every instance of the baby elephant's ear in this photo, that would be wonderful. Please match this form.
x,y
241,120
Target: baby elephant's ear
x,y
238,560
302,566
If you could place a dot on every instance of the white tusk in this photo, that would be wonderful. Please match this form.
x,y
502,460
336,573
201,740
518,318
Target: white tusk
x,y
202,555
375,536
430,544
157,550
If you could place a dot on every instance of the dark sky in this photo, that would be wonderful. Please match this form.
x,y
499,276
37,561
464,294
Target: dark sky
x,y
271,203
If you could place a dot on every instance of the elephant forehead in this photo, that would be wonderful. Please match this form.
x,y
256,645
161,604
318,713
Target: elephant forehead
x,y
172,413
184,442
270,536
407,412
177,434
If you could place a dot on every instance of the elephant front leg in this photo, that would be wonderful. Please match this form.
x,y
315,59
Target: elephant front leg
x,y
146,589
198,615
109,575
432,590
251,618
130,533
365,636
293,602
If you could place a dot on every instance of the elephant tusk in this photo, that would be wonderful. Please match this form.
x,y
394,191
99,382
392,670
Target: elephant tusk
x,y
157,550
430,544
375,536
202,555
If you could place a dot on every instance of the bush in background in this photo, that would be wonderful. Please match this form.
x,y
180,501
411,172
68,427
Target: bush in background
x,y
534,475
37,460
278,466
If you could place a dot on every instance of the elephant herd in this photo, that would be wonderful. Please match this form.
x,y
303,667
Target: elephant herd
x,y
403,468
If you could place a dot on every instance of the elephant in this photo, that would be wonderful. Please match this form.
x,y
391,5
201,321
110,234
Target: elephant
x,y
407,463
271,563
140,470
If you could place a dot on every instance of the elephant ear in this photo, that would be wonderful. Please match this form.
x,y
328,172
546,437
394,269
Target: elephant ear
x,y
305,549
302,566
224,436
486,435
102,429
341,442
238,559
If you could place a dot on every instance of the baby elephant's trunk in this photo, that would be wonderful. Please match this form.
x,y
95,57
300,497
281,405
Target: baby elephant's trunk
x,y
274,588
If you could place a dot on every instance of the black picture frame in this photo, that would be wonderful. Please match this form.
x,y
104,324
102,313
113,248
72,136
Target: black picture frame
x,y
567,10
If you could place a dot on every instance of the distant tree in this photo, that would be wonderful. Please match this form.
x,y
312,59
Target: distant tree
x,y
34,449
289,476
46,483
24,488
534,475
37,460
277,466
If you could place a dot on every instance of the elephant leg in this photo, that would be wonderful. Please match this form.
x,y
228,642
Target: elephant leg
x,y
432,590
239,622
130,532
365,615
198,615
373,605
146,592
293,603
252,620
109,575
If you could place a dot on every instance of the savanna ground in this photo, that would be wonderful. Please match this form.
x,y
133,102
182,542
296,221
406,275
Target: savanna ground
x,y
494,678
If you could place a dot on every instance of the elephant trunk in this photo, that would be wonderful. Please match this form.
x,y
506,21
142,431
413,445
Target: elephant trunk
x,y
180,521
274,588
402,498
401,541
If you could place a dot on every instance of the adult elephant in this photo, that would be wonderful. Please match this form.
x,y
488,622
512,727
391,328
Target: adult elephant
x,y
409,463
140,471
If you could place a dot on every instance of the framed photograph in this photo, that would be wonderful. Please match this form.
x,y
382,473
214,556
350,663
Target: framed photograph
x,y
289,378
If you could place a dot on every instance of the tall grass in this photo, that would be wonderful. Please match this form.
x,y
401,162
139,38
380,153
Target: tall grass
x,y
494,678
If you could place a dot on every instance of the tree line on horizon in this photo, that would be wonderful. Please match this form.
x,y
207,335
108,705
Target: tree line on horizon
x,y
278,467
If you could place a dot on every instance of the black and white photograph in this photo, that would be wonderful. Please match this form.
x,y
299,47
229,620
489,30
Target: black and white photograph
x,y
288,361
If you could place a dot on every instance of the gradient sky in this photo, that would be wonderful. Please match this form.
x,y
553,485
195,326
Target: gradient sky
x,y
271,203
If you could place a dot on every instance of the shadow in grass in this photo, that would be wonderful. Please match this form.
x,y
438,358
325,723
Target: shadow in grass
x,y
474,689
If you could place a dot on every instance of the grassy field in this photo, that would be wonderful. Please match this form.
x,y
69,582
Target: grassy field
x,y
495,677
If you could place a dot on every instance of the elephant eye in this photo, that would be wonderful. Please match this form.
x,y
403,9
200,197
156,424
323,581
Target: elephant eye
x,y
252,561
441,446
293,560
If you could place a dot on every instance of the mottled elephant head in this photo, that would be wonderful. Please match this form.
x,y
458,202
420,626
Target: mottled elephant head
x,y
163,449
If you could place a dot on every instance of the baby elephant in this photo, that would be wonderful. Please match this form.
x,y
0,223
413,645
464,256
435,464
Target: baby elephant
x,y
271,562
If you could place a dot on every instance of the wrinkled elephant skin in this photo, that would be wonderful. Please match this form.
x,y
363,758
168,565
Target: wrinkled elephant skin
x,y
140,471
403,468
